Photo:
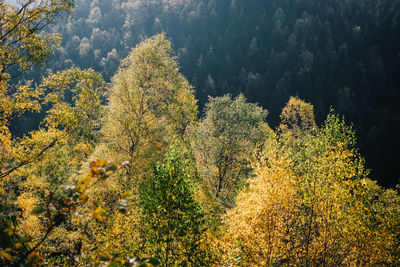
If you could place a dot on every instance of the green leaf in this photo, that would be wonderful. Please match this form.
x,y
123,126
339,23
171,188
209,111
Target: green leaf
x,y
104,258
38,209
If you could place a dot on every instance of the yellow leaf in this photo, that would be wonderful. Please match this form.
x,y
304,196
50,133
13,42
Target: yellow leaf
x,y
5,255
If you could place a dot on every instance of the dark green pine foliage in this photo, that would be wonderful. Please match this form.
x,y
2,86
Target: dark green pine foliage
x,y
336,53
172,220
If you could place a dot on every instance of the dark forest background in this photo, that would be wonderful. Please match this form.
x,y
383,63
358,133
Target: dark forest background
x,y
343,54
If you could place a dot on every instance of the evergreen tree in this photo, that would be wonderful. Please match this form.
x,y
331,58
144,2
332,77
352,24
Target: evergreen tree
x,y
312,49
172,221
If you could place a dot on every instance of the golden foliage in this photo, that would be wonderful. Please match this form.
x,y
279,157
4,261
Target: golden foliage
x,y
297,116
311,204
30,225
150,103
120,235
308,199
64,121
21,41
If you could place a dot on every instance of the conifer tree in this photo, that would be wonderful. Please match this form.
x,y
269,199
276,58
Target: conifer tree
x,y
172,221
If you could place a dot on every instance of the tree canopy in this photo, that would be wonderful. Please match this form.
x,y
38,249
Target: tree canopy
x,y
224,143
312,204
125,173
337,53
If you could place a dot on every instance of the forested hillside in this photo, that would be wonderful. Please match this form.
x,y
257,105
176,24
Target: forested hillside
x,y
336,53
123,148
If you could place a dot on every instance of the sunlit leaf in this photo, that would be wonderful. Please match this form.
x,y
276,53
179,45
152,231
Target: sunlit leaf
x,y
5,255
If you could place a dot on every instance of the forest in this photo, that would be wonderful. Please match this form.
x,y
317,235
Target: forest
x,y
199,133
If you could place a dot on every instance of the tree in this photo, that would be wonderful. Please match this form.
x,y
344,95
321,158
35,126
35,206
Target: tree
x,y
312,204
22,46
46,156
150,103
297,117
21,42
40,164
257,228
35,164
224,142
79,118
172,221
304,49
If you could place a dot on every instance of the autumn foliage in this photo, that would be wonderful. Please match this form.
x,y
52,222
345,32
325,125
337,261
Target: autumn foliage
x,y
311,202
126,174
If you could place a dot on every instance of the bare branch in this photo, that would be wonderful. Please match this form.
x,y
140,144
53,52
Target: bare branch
x,y
25,162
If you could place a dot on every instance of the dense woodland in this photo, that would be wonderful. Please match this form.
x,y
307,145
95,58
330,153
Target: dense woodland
x,y
184,133
336,53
